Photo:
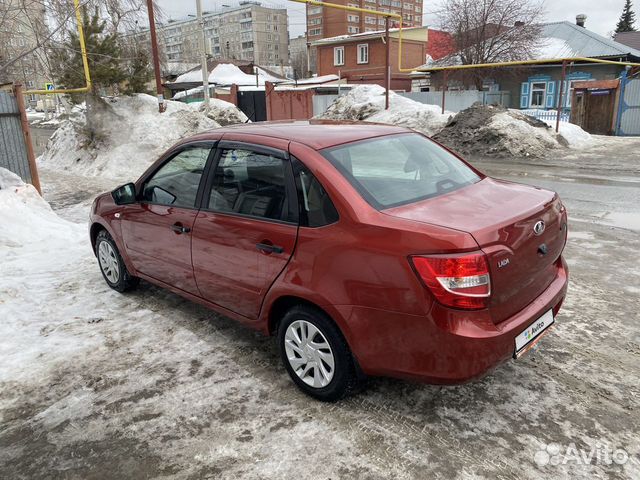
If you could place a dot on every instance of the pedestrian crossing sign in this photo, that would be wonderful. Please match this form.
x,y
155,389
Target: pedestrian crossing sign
x,y
48,86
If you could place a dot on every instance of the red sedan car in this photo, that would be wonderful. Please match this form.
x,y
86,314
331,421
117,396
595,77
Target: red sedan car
x,y
365,249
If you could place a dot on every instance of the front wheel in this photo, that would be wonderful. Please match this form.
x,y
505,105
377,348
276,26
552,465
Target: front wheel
x,y
316,355
111,264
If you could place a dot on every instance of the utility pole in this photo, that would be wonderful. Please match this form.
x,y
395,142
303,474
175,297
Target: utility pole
x,y
203,52
156,58
387,70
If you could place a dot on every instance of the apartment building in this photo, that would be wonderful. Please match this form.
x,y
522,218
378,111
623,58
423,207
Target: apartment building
x,y
249,32
326,22
22,26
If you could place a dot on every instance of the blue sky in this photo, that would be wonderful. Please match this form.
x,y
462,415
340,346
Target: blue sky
x,y
602,14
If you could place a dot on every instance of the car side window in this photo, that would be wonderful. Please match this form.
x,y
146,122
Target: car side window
x,y
176,182
316,207
250,183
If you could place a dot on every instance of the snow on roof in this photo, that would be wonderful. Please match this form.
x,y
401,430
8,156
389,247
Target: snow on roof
x,y
314,80
229,74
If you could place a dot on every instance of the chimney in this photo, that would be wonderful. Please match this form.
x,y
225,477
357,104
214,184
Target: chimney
x,y
581,19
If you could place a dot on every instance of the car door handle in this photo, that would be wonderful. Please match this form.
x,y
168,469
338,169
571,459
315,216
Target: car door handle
x,y
179,228
266,248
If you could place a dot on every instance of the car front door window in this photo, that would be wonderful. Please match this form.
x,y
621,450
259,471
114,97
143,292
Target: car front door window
x,y
176,182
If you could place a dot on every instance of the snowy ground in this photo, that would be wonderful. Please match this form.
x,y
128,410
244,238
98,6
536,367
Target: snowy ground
x,y
95,384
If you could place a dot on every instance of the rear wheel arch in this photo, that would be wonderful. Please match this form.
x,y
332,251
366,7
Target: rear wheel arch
x,y
285,303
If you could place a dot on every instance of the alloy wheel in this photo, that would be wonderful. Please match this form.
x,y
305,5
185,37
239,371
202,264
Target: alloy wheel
x,y
109,262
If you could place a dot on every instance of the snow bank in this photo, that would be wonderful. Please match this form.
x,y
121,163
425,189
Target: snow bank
x,y
485,130
40,253
575,136
127,134
367,102
25,217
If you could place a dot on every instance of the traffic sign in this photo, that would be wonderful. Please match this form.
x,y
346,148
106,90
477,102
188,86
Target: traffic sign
x,y
48,86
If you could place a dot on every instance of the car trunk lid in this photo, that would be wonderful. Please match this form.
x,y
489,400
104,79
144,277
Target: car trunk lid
x,y
502,216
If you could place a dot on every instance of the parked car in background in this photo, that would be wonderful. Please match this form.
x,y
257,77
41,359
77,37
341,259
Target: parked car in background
x,y
364,249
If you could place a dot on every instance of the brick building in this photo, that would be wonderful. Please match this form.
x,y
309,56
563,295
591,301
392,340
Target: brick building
x,y
330,22
360,58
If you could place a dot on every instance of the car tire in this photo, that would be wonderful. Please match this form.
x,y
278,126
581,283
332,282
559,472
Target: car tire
x,y
113,269
316,355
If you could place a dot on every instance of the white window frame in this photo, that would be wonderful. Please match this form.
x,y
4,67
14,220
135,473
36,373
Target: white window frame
x,y
544,95
361,59
338,56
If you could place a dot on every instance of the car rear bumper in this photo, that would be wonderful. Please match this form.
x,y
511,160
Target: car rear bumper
x,y
450,346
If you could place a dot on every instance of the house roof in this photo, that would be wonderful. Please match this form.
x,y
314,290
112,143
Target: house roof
x,y
631,39
566,40
561,40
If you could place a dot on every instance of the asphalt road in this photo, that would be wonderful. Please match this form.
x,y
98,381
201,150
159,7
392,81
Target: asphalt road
x,y
168,389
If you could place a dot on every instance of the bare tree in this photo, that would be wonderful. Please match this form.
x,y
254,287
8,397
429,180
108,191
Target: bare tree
x,y
490,31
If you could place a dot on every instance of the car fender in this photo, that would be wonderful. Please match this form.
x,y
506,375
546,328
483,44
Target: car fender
x,y
111,228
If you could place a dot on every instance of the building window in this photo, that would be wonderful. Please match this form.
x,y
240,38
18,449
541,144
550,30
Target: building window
x,y
315,21
363,53
351,29
370,20
315,10
353,18
338,56
315,31
538,91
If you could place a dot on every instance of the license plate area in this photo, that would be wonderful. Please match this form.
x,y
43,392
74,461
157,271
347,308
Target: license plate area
x,y
533,333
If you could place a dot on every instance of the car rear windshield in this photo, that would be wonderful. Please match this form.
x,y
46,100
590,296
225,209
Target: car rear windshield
x,y
400,169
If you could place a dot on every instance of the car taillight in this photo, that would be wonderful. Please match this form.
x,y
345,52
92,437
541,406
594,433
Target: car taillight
x,y
459,281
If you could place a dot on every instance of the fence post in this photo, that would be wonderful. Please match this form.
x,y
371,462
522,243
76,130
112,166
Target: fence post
x,y
623,85
33,168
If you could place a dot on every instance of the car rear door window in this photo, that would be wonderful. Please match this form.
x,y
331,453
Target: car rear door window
x,y
250,183
316,207
399,169
176,183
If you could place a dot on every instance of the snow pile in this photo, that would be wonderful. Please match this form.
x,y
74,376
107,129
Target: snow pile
x,y
575,136
367,102
485,130
25,218
125,136
224,113
228,74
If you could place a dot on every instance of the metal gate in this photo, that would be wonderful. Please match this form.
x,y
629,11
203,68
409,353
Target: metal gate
x,y
14,151
253,104
629,113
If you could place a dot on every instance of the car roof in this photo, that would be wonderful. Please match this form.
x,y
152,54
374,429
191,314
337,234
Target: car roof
x,y
317,134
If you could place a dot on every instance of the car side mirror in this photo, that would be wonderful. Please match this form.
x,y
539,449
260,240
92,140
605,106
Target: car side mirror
x,y
124,195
